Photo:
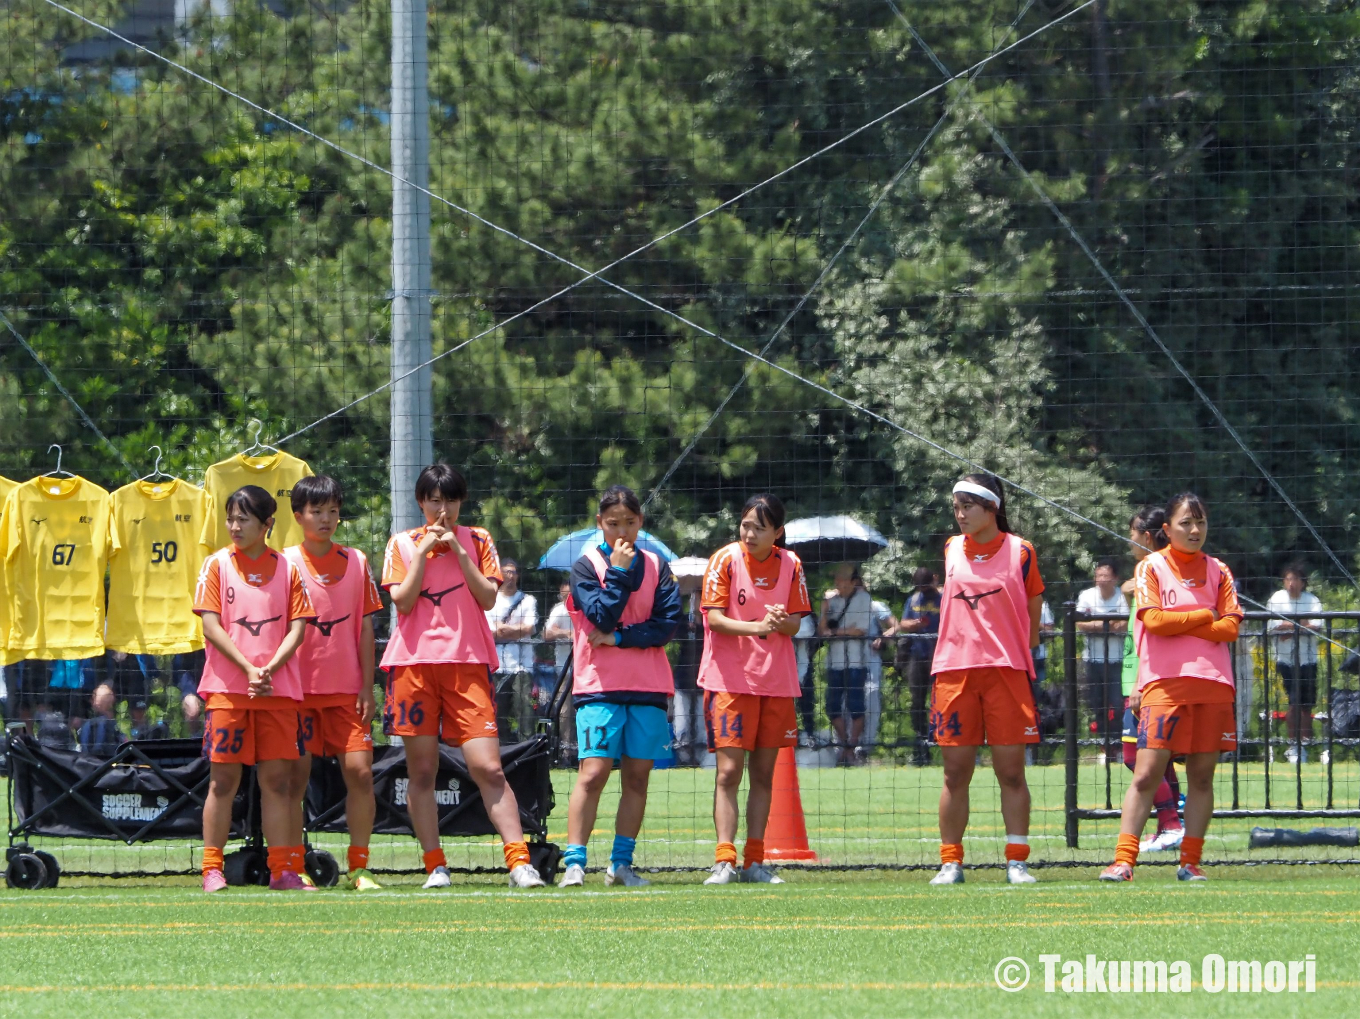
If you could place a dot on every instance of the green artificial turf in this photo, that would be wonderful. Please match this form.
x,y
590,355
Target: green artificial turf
x,y
818,946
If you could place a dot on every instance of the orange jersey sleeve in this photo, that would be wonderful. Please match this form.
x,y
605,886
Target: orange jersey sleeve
x,y
1029,569
372,599
208,590
799,603
1227,605
718,579
299,601
394,566
488,559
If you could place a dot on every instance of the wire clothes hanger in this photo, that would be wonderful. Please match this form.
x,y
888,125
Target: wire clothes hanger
x,y
156,471
57,472
257,446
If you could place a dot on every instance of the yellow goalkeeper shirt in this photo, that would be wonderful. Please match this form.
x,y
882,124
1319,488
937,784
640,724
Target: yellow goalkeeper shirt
x,y
275,473
58,537
152,574
6,486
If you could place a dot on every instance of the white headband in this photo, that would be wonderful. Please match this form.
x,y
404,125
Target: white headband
x,y
971,488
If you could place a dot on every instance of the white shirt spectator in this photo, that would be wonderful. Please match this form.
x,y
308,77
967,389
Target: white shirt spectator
x,y
847,652
879,614
1307,601
1101,648
518,609
561,619
807,630
1046,623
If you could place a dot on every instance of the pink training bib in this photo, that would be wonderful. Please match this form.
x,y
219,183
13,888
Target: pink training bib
x,y
766,666
446,625
984,612
256,620
1161,657
328,660
606,668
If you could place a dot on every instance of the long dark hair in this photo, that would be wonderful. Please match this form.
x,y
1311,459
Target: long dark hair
x,y
1150,520
621,495
990,483
253,500
768,508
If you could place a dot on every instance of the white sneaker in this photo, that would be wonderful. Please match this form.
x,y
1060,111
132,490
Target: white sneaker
x,y
526,876
1164,840
950,874
573,877
760,873
439,878
723,874
1017,873
624,876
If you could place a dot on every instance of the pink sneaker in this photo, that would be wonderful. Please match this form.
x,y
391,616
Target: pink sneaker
x,y
214,881
288,881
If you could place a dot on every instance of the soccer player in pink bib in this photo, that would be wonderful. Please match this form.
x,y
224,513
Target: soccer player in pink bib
x,y
983,667
336,661
443,578
255,610
624,607
1188,614
755,596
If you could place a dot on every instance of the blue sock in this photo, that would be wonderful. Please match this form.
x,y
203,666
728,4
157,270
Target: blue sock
x,y
622,853
574,854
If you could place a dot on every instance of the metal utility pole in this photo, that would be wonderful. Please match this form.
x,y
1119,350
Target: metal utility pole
x,y
412,425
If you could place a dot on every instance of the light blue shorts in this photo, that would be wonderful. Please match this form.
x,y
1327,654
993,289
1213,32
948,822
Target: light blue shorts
x,y
639,731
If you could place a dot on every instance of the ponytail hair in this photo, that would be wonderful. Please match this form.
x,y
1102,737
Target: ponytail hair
x,y
1150,520
990,482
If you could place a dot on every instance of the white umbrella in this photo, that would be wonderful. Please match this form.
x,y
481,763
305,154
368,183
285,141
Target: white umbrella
x,y
833,539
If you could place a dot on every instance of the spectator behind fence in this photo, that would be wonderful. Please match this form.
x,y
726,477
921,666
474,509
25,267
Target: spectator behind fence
x,y
804,649
881,622
1047,628
920,617
1103,653
193,716
513,620
846,612
1301,685
100,735
557,629
688,716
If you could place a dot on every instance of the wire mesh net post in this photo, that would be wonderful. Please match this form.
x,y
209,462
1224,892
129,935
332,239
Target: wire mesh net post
x,y
1070,721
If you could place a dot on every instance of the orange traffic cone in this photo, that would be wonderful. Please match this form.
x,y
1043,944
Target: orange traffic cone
x,y
786,834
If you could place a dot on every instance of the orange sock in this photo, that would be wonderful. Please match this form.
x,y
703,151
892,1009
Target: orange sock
x,y
725,853
1126,850
1191,850
212,858
434,858
951,852
358,857
753,852
1015,851
278,859
516,853
296,855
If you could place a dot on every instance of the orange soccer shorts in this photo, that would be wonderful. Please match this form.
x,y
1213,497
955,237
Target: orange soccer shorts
x,y
983,707
749,721
332,725
247,730
1187,716
454,700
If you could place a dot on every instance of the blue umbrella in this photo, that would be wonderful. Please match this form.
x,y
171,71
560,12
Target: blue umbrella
x,y
566,550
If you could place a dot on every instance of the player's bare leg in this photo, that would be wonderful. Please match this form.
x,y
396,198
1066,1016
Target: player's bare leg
x,y
760,792
1008,764
483,757
1149,769
959,763
223,781
360,808
422,768
634,776
591,778
731,762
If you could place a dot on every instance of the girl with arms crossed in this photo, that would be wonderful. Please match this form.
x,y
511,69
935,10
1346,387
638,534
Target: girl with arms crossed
x,y
1188,614
754,597
624,607
983,665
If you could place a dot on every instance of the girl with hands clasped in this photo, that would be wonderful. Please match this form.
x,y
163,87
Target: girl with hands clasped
x,y
624,607
754,598
255,609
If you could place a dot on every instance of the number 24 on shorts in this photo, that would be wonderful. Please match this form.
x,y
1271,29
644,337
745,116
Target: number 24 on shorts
x,y
939,725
